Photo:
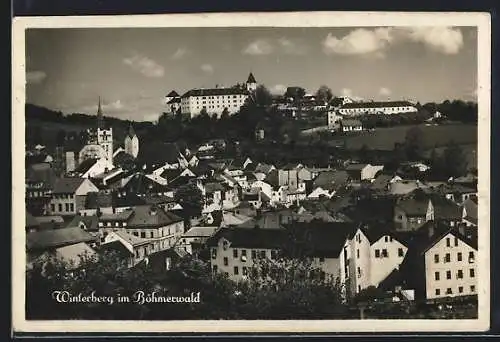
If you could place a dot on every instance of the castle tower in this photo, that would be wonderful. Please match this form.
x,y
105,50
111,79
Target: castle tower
x,y
104,136
131,143
251,83
100,118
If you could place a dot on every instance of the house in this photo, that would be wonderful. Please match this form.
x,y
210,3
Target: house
x,y
450,265
195,237
40,179
71,255
69,195
413,212
142,183
360,172
327,183
130,247
382,182
253,197
387,108
469,212
368,257
49,240
234,250
160,227
103,179
87,223
165,260
92,167
456,192
351,125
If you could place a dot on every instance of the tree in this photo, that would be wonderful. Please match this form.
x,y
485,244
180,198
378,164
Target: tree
x,y
324,94
190,198
455,160
262,96
414,143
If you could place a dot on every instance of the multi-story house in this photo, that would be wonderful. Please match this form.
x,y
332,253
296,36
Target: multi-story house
x,y
450,265
132,248
160,227
412,213
69,195
389,107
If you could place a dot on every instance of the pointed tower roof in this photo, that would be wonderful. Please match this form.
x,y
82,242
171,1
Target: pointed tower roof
x,y
173,93
131,132
251,79
100,118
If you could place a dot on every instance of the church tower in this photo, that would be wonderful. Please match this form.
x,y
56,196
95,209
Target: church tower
x,y
104,135
131,143
251,83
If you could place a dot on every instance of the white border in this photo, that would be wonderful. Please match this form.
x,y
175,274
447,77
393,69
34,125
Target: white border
x,y
309,19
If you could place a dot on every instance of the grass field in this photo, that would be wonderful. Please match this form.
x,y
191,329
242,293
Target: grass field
x,y
385,138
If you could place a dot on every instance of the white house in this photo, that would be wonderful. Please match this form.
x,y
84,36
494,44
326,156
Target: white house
x,y
388,107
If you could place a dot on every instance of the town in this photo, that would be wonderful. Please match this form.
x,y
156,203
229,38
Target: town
x,y
244,184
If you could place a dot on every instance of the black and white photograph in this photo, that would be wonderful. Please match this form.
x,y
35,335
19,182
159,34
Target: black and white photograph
x,y
181,172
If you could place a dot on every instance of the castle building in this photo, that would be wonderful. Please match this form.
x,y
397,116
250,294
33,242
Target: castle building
x,y
217,100
131,143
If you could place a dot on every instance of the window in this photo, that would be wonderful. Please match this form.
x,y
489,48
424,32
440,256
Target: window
x,y
226,262
244,271
60,206
235,253
472,288
244,252
359,272
460,274
472,273
151,234
322,259
459,256
214,268
391,239
460,289
436,275
143,235
263,254
214,253
137,254
136,233
471,257
357,253
71,207
448,291
236,271
386,238
384,253
52,207
448,274
254,254
448,242
377,253
400,252
436,258
438,292
456,241
447,257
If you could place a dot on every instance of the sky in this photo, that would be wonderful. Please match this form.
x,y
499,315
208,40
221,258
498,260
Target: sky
x,y
132,69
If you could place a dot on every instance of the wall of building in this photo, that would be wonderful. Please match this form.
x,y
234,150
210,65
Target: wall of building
x,y
376,110
193,105
453,266
382,266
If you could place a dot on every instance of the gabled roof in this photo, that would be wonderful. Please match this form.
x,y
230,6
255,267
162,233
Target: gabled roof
x,y
213,187
355,167
85,165
200,232
121,216
329,180
132,239
215,92
174,100
251,79
57,238
73,253
148,216
173,93
91,222
41,172
442,233
250,238
67,185
414,207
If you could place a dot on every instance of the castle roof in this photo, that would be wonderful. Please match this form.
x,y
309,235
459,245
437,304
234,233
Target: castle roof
x,y
173,93
215,92
251,79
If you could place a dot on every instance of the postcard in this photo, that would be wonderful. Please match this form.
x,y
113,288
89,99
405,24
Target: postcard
x,y
251,172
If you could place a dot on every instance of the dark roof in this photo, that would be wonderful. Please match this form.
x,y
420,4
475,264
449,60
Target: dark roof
x,y
173,93
159,153
41,172
174,100
330,179
355,167
121,216
250,238
91,222
351,122
57,238
67,185
215,92
131,132
212,187
116,246
443,230
381,181
414,207
128,199
140,184
122,157
143,217
85,165
31,221
445,209
371,210
251,79
96,200
377,104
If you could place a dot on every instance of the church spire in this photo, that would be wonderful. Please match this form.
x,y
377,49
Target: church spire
x,y
131,132
100,119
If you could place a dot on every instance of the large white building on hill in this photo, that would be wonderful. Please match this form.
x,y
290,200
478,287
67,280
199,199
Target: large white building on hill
x,y
216,100
388,107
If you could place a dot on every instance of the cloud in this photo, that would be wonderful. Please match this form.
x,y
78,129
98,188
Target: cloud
x,y
278,89
259,47
358,41
291,47
35,77
349,93
179,53
145,66
375,42
208,68
383,91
